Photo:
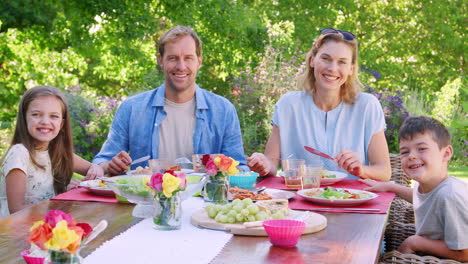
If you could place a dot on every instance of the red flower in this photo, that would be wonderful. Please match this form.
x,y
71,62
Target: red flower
x,y
205,159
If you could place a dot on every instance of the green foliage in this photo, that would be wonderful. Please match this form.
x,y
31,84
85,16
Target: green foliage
x,y
459,129
446,101
395,114
257,90
107,47
91,117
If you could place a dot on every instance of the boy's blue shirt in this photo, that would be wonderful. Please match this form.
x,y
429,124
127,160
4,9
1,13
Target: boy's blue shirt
x,y
135,127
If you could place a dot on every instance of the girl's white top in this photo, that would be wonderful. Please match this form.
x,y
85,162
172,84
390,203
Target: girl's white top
x,y
39,182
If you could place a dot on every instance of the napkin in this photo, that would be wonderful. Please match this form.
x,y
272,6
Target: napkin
x,y
382,202
81,194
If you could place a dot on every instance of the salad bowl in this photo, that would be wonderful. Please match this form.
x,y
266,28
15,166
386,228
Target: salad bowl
x,y
135,190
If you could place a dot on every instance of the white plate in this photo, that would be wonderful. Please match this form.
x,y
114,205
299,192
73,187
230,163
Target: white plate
x,y
338,202
93,186
274,193
339,176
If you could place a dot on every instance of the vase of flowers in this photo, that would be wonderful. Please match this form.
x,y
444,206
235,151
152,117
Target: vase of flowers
x,y
58,238
167,206
218,168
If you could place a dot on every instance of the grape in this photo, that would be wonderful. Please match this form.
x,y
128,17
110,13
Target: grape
x,y
232,213
237,202
212,212
238,208
218,217
226,209
253,209
231,219
247,201
278,215
223,219
209,207
251,218
239,218
244,212
261,216
218,207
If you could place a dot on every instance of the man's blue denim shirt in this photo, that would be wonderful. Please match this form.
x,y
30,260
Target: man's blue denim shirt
x,y
135,127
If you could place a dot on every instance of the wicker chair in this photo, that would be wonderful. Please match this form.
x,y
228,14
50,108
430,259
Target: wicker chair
x,y
395,257
400,225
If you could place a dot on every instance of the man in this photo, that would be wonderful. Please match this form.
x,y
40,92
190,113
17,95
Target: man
x,y
177,119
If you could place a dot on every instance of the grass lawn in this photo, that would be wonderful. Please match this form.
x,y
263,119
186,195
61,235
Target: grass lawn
x,y
460,172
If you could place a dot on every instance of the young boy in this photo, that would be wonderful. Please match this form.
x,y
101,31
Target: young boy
x,y
439,200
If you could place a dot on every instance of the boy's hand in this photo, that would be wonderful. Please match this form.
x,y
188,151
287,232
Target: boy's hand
x,y
412,244
376,186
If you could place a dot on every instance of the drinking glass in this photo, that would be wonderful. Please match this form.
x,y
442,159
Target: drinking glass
x,y
158,166
311,178
293,170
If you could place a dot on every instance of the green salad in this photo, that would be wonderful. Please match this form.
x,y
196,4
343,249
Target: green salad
x,y
332,193
134,185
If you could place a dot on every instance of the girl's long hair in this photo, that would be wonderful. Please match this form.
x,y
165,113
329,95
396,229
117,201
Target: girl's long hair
x,y
60,148
351,88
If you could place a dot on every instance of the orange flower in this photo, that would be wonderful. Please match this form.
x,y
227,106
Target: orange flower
x,y
40,233
225,163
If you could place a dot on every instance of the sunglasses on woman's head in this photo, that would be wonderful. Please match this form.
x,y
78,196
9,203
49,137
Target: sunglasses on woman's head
x,y
347,35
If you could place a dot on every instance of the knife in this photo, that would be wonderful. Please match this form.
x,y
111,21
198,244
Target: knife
x,y
345,209
145,158
317,152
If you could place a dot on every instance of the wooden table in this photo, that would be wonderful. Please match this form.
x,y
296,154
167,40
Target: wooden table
x,y
348,238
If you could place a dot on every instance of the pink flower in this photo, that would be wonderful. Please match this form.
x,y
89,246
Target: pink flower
x,y
183,180
156,181
211,168
55,216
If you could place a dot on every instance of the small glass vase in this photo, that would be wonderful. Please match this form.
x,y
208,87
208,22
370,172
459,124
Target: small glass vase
x,y
167,214
61,257
216,191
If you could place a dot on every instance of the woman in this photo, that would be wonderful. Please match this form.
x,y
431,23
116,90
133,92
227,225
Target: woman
x,y
330,114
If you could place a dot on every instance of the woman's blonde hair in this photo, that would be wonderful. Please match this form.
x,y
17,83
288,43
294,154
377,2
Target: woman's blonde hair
x,y
60,148
351,87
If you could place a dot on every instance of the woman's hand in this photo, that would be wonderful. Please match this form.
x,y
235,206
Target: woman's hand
x,y
94,172
350,162
258,162
73,184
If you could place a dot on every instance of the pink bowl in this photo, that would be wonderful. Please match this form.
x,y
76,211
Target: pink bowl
x,y
31,260
284,232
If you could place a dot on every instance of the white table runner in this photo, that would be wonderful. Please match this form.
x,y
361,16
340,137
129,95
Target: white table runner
x,y
143,244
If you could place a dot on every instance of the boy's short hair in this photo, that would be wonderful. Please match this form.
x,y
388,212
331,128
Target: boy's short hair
x,y
422,124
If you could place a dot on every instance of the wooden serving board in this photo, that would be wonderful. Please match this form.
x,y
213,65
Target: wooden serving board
x,y
315,222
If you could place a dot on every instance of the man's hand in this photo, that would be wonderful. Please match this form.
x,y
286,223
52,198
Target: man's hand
x,y
119,163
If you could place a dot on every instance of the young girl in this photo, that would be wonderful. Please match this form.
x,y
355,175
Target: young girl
x,y
40,161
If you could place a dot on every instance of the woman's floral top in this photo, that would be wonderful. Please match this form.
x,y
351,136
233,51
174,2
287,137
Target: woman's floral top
x,y
39,182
